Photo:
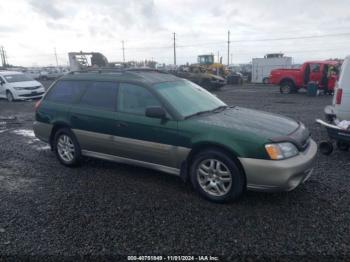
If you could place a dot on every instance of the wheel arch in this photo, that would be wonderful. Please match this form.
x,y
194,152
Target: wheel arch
x,y
56,126
8,90
287,79
198,147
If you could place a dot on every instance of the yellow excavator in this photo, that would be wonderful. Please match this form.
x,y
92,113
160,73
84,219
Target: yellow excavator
x,y
207,62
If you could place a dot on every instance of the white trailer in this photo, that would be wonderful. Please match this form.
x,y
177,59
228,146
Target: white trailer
x,y
261,67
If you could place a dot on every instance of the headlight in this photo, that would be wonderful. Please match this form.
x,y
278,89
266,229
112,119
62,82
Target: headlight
x,y
18,88
281,150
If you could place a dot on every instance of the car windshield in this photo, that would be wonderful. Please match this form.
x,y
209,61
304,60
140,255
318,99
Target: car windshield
x,y
17,78
188,98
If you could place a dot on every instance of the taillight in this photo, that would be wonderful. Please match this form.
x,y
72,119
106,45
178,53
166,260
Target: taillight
x,y
37,104
339,96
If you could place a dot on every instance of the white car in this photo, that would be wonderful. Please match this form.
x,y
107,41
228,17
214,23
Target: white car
x,y
17,86
33,74
52,74
340,107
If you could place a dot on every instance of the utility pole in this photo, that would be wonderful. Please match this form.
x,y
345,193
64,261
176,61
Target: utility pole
x,y
56,57
3,56
174,50
123,51
217,69
228,48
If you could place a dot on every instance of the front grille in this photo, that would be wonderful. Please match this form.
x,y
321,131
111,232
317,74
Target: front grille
x,y
31,88
32,95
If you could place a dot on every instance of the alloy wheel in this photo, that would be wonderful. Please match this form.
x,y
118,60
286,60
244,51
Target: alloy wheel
x,y
214,177
65,148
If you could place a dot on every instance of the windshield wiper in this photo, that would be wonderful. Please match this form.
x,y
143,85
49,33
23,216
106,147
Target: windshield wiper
x,y
219,109
198,113
215,110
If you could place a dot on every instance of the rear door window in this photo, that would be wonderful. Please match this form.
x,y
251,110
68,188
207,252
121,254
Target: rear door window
x,y
101,95
66,92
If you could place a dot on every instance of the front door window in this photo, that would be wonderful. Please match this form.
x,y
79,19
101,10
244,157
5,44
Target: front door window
x,y
135,99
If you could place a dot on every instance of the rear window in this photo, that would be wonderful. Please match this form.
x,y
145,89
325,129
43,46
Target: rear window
x,y
66,92
101,95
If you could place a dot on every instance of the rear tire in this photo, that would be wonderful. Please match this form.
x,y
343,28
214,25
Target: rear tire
x,y
216,177
67,148
287,87
9,96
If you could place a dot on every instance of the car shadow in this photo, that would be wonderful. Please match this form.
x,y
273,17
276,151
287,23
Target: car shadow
x,y
168,182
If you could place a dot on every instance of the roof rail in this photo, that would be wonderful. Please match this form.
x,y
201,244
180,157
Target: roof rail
x,y
117,70
142,69
98,70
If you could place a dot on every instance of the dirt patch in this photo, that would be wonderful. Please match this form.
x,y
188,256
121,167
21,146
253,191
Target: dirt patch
x,y
10,180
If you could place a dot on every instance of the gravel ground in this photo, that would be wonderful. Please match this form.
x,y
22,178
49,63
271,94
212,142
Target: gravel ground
x,y
108,209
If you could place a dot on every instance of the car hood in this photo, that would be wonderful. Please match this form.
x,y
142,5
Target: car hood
x,y
251,122
25,84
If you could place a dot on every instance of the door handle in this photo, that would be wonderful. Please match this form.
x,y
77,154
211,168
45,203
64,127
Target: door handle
x,y
122,124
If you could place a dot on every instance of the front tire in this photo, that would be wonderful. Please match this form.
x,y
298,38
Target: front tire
x,y
67,148
216,177
9,96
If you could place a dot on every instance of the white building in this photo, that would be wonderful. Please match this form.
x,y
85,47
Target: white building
x,y
261,67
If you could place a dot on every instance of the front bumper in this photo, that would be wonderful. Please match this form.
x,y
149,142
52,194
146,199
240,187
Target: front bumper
x,y
29,94
280,175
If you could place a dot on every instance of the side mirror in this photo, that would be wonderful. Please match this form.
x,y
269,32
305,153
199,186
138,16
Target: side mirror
x,y
2,82
155,112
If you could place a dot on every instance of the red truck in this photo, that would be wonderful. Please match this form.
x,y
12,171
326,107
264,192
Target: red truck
x,y
324,73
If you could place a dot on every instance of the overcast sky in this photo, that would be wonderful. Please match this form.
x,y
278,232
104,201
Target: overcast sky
x,y
31,29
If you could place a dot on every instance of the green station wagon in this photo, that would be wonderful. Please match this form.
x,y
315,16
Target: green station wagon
x,y
159,121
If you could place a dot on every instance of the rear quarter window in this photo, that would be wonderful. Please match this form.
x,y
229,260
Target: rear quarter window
x,y
66,92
